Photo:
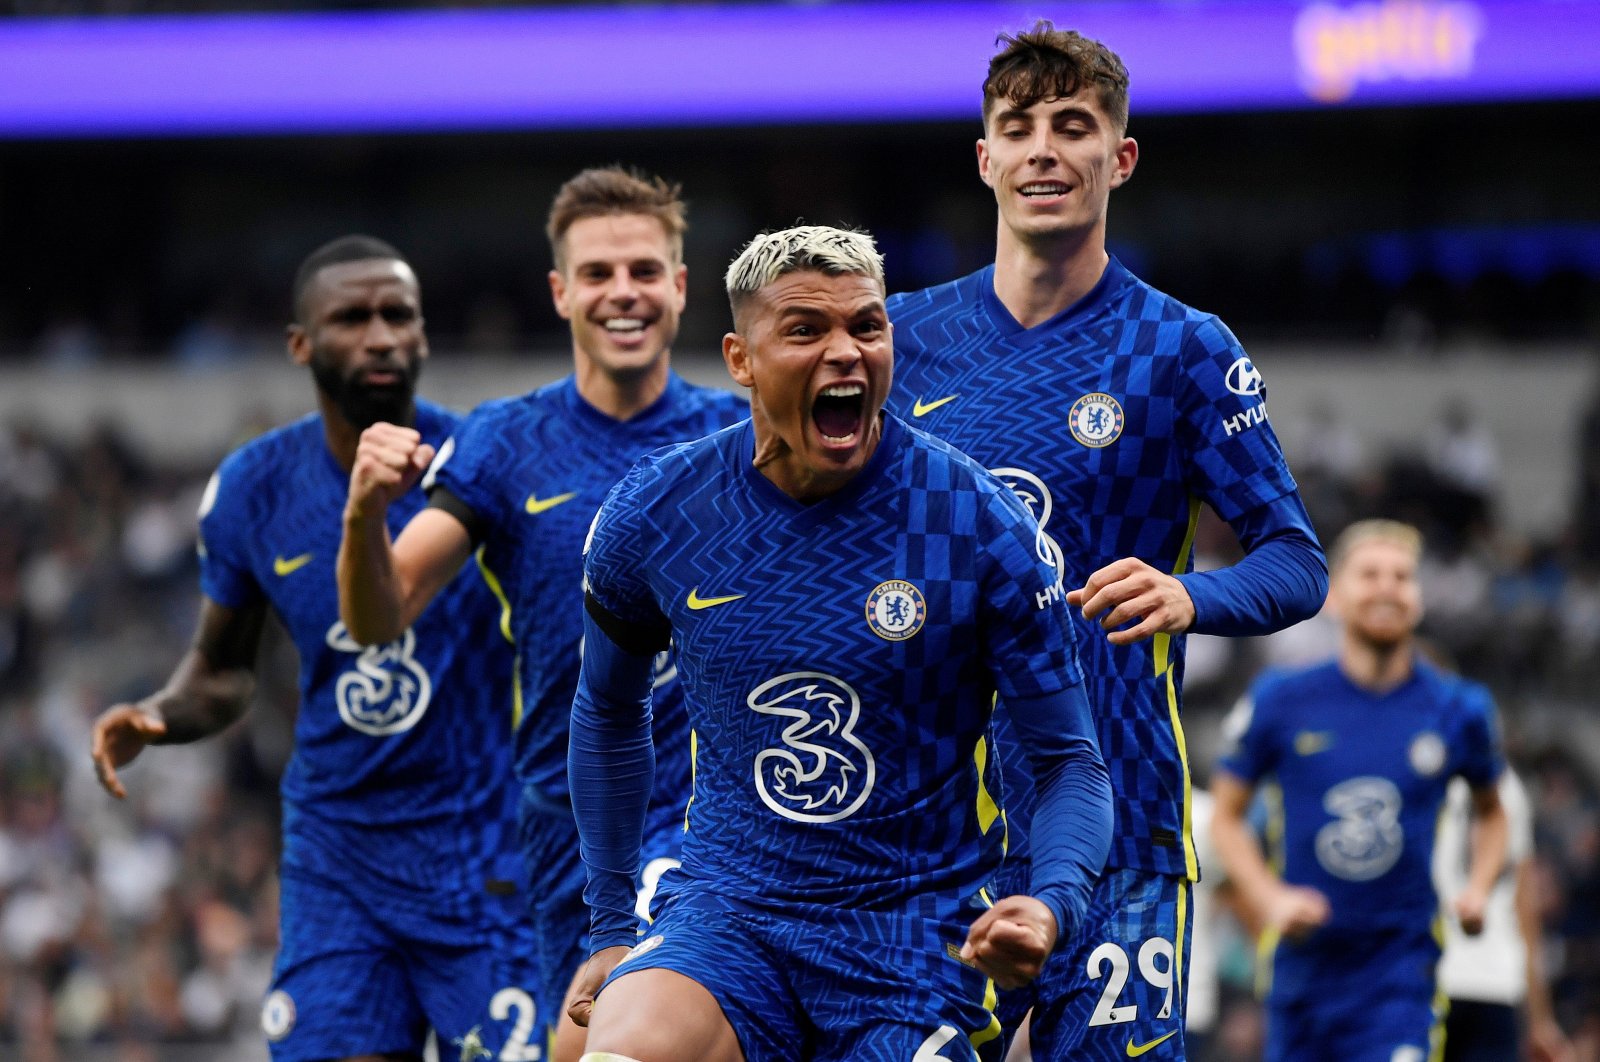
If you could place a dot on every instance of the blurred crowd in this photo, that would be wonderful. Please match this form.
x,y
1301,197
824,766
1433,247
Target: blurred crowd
x,y
154,921
131,929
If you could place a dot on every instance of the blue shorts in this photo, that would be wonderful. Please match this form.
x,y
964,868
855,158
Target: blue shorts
x,y
1116,991
561,918
825,983
1361,998
353,979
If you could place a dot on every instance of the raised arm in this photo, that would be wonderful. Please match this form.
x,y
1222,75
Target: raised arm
x,y
384,585
209,689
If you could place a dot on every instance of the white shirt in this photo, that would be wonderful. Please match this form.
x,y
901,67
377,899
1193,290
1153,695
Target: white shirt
x,y
1491,967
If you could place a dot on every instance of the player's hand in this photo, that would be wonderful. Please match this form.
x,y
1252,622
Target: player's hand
x,y
1129,589
1295,911
389,461
1470,906
1011,940
1547,1043
589,980
119,735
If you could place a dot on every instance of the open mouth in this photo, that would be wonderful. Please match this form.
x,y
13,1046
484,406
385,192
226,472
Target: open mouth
x,y
838,412
624,326
1044,189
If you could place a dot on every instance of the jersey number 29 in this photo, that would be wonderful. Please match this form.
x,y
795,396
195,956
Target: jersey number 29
x,y
1157,974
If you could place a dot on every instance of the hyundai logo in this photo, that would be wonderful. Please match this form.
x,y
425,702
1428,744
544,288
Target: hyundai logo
x,y
1243,378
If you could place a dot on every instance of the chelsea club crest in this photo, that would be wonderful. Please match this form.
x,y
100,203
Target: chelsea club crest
x,y
1095,420
896,610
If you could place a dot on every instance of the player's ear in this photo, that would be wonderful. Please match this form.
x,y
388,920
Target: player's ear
x,y
736,354
1126,159
680,281
983,161
299,344
558,293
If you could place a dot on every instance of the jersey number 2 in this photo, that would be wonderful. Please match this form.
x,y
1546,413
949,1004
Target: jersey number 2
x,y
1106,1012
517,1048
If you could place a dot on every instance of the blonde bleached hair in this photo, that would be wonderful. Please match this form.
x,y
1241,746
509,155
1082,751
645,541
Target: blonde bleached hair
x,y
815,248
1361,532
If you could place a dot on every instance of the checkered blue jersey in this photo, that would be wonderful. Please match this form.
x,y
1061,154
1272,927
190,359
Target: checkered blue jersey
x,y
527,475
398,746
840,661
1112,421
1362,777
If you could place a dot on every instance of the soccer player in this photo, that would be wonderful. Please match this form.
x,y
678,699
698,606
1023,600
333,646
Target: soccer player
x,y
1114,411
398,818
846,594
1361,750
518,485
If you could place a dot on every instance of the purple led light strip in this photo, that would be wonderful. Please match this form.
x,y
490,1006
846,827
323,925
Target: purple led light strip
x,y
597,67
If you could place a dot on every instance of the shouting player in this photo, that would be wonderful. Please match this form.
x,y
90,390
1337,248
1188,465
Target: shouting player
x,y
846,595
520,483
1113,411
399,842
1361,750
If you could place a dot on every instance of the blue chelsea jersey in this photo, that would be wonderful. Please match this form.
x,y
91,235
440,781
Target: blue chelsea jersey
x,y
839,661
533,471
404,735
1112,421
1362,777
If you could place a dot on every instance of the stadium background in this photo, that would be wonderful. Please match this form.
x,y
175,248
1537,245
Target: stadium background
x,y
1417,277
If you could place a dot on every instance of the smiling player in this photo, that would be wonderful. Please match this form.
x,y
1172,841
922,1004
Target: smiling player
x,y
519,485
1114,411
1361,750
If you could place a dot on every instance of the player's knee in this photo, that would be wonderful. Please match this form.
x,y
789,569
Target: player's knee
x,y
606,1056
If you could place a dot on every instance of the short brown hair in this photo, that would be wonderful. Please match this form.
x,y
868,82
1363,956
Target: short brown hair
x,y
1045,63
606,190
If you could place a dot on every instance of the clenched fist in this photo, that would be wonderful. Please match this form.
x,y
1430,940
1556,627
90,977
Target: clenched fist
x,y
389,461
1011,940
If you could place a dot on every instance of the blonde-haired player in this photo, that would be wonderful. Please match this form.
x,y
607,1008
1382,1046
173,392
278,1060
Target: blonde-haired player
x,y
1361,750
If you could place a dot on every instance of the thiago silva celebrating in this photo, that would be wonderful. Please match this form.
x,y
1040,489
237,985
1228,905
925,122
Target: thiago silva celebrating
x,y
397,816
1361,749
1113,411
846,595
520,483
